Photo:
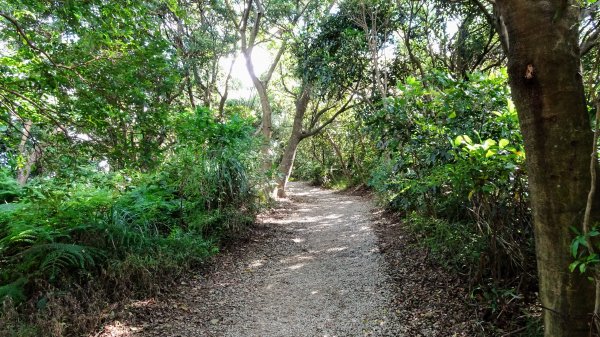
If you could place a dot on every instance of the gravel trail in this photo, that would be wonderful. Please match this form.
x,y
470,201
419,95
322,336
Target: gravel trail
x,y
312,269
331,282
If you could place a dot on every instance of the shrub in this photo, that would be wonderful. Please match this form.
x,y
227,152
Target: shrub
x,y
126,232
451,150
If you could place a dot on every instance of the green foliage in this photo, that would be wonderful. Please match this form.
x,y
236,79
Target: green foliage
x,y
14,290
98,71
119,229
318,162
585,258
331,54
422,133
9,189
452,244
451,149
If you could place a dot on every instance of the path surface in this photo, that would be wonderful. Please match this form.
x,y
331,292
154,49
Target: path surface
x,y
331,283
311,268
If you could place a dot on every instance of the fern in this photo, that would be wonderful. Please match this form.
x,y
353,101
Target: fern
x,y
60,229
18,235
9,188
14,290
57,258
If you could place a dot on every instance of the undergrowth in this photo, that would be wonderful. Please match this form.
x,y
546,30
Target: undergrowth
x,y
71,244
505,305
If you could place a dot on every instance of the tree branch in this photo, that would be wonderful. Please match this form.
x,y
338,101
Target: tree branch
x,y
315,131
495,21
30,43
592,41
25,132
317,115
41,109
285,87
275,62
327,122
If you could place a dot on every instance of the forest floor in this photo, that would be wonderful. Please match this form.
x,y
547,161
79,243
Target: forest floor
x,y
322,263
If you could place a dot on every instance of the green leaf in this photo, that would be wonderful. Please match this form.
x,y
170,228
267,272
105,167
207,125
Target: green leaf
x,y
503,142
488,143
462,139
573,266
470,196
574,247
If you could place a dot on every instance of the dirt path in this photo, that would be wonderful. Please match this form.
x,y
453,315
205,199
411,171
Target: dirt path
x,y
312,268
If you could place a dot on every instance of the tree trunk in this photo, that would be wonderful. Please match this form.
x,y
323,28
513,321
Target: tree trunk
x,y
339,154
223,99
190,89
267,124
547,88
287,161
31,157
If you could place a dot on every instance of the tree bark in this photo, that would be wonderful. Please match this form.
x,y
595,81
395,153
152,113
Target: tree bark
x,y
289,154
248,34
267,124
31,157
547,88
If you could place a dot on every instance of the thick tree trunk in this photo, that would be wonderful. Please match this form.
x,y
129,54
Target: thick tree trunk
x,y
287,161
547,88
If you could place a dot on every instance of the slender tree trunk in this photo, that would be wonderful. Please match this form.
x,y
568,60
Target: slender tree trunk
x,y
267,112
31,157
287,161
190,89
24,172
223,99
547,88
261,89
339,154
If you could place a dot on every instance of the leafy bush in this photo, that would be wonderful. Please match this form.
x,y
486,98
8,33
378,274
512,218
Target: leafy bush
x,y
451,150
125,229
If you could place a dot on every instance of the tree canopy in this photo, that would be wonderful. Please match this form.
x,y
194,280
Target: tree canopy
x,y
129,143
